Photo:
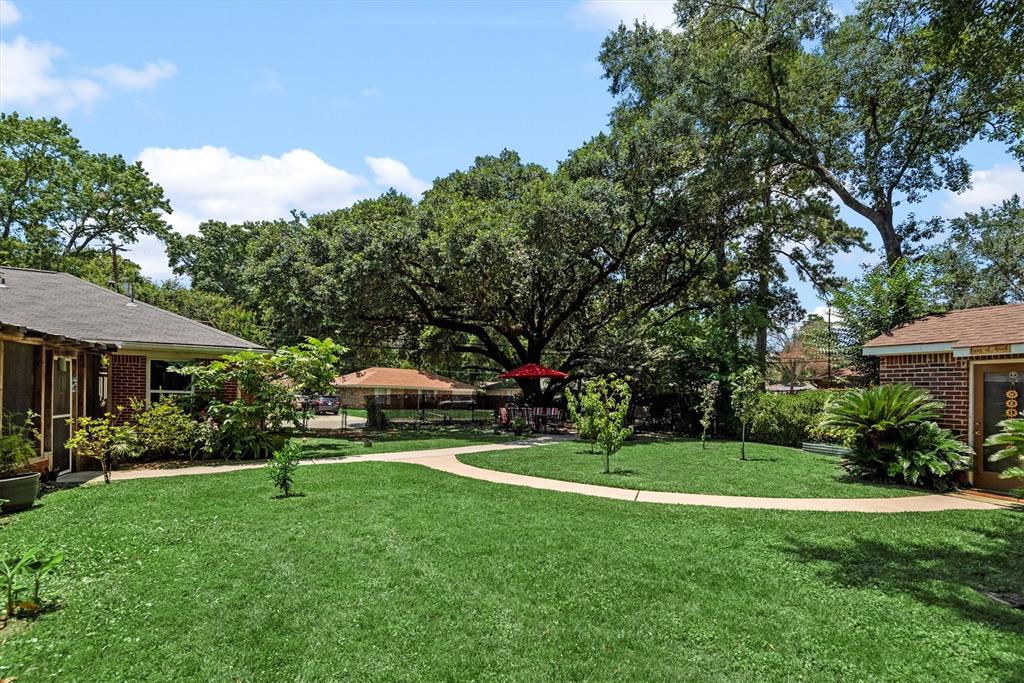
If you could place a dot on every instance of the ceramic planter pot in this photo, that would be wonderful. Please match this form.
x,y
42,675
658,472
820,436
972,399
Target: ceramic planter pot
x,y
19,491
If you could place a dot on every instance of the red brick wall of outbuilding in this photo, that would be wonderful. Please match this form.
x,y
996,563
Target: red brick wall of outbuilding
x,y
943,376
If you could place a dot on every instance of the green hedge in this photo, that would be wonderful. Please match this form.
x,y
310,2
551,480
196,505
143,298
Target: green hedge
x,y
786,419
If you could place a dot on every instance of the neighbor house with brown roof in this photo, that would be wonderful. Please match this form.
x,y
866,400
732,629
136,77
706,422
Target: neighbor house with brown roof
x,y
70,348
973,362
398,385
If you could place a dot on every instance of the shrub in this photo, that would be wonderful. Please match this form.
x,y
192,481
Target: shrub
x,y
896,439
787,419
19,443
164,429
1012,437
249,426
282,464
103,439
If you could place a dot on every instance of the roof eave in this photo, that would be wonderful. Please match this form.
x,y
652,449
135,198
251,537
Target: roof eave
x,y
161,346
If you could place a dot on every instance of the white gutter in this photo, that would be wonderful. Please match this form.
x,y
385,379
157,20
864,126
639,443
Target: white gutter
x,y
901,349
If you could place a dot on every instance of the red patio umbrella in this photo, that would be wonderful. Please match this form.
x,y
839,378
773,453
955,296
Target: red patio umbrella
x,y
533,371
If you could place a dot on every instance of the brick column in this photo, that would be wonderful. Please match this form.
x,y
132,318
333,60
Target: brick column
x,y
127,381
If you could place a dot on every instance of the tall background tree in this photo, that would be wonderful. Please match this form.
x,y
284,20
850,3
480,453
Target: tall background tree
x,y
877,106
60,204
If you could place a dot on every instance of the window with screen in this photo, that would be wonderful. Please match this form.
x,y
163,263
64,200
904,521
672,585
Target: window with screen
x,y
164,382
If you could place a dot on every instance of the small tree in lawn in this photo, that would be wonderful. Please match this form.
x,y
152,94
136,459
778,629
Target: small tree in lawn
x,y
708,399
583,410
281,466
746,386
602,409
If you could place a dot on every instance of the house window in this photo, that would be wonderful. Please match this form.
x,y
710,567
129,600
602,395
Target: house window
x,y
164,382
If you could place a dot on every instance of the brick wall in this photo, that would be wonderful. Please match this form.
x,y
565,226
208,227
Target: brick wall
x,y
941,375
127,380
944,377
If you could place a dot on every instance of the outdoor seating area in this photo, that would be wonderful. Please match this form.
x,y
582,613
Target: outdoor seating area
x,y
541,420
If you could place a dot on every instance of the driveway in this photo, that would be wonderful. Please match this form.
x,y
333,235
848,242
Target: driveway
x,y
334,422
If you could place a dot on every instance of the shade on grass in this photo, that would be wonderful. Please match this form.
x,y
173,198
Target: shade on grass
x,y
682,465
391,571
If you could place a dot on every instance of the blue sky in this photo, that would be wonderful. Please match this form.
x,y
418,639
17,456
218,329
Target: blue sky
x,y
246,110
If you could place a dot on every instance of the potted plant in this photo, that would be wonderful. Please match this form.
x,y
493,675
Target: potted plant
x,y
518,425
19,440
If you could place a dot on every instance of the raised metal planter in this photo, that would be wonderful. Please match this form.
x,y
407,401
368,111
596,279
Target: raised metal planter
x,y
826,449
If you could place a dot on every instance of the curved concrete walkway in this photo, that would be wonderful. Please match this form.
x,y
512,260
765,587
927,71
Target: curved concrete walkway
x,y
445,460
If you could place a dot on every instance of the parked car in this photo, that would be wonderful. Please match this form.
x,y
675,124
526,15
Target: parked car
x,y
451,404
323,405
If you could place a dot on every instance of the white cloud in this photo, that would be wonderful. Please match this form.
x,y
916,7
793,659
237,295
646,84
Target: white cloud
x,y
822,312
214,183
388,172
29,78
9,14
988,187
128,78
606,14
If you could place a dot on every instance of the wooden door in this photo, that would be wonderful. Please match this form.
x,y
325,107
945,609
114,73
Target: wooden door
x,y
998,395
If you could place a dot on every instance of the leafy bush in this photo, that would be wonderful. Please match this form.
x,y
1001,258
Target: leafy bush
x,y
1012,437
19,443
896,439
282,464
165,430
787,419
105,440
250,425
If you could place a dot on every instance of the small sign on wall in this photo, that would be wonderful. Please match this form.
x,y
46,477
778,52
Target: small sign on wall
x,y
990,350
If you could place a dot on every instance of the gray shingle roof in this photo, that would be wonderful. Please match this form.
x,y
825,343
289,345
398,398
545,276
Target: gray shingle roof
x,y
63,305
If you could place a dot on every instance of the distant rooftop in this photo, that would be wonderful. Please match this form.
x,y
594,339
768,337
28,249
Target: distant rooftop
x,y
63,305
401,378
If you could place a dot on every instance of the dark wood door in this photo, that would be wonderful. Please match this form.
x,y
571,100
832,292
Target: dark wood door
x,y
998,390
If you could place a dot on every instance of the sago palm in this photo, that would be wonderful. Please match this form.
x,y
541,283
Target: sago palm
x,y
881,411
1012,437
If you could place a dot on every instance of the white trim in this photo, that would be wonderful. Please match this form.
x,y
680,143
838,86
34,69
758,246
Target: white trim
x,y
184,348
905,349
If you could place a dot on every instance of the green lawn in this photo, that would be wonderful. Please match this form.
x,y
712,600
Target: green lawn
x,y
387,571
682,465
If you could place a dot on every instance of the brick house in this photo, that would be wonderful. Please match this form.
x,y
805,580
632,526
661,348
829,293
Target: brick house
x,y
970,360
70,348
399,387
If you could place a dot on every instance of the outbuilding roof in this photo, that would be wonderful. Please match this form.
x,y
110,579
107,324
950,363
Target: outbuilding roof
x,y
957,331
63,305
401,378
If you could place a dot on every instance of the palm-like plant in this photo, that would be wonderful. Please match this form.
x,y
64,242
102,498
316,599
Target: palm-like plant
x,y
1012,437
880,412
